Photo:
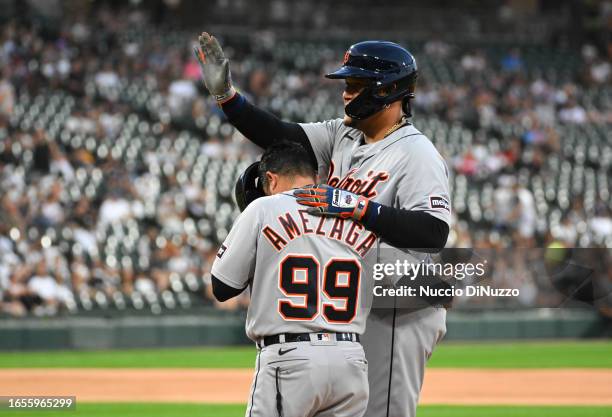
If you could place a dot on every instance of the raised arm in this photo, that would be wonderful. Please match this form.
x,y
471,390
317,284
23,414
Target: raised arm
x,y
257,125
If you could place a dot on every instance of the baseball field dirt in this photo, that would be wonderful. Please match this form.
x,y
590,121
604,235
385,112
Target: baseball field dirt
x,y
442,386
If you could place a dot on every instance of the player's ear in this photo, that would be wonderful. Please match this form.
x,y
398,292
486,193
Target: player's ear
x,y
271,183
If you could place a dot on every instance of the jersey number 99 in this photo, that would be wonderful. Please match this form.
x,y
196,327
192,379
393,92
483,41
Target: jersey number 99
x,y
299,277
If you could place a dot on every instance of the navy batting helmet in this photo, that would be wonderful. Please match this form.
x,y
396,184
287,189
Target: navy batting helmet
x,y
248,187
390,67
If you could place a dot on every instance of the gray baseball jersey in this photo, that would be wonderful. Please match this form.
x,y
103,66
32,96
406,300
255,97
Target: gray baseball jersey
x,y
305,271
403,170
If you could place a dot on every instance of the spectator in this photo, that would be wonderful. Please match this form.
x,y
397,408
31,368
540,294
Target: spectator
x,y
524,215
114,208
572,112
47,291
566,232
474,61
42,152
7,94
437,48
601,224
52,211
181,95
107,78
512,62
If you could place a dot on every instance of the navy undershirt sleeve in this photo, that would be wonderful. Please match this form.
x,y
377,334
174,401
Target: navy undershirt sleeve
x,y
224,292
405,228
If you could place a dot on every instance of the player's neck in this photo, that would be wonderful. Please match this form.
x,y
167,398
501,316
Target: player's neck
x,y
295,182
381,126
299,181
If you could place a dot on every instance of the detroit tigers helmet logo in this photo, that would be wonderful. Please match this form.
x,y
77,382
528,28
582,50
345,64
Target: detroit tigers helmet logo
x,y
346,58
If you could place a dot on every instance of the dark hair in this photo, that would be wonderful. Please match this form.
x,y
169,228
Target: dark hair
x,y
287,159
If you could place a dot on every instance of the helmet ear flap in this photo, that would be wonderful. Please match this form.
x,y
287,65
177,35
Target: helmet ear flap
x,y
248,186
406,106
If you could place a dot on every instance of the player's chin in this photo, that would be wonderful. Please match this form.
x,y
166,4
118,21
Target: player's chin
x,y
349,121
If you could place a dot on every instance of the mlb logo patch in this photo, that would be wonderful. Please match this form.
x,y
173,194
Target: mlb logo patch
x,y
324,337
221,251
437,202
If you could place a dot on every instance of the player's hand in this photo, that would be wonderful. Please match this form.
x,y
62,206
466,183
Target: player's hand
x,y
215,68
329,201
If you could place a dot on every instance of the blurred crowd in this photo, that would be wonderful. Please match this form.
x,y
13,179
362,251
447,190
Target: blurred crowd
x,y
116,167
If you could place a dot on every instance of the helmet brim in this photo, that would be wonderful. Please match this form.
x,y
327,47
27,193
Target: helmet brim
x,y
353,72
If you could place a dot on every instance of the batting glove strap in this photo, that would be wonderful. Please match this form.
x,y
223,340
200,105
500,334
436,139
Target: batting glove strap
x,y
329,201
222,99
360,208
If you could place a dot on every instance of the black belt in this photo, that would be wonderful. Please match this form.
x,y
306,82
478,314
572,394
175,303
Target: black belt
x,y
305,337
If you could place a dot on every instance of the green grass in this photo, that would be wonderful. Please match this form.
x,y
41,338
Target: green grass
x,y
557,354
237,410
554,354
230,357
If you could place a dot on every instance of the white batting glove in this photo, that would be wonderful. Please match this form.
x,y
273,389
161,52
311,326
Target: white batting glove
x,y
215,68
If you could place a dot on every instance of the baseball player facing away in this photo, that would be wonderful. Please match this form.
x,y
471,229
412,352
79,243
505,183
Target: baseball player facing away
x,y
398,188
307,283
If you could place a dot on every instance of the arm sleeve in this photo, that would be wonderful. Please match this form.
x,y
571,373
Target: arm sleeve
x,y
224,292
234,264
262,127
407,229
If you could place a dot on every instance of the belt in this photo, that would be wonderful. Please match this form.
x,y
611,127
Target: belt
x,y
306,337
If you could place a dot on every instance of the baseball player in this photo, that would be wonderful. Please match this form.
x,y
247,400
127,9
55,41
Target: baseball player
x,y
380,171
308,295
